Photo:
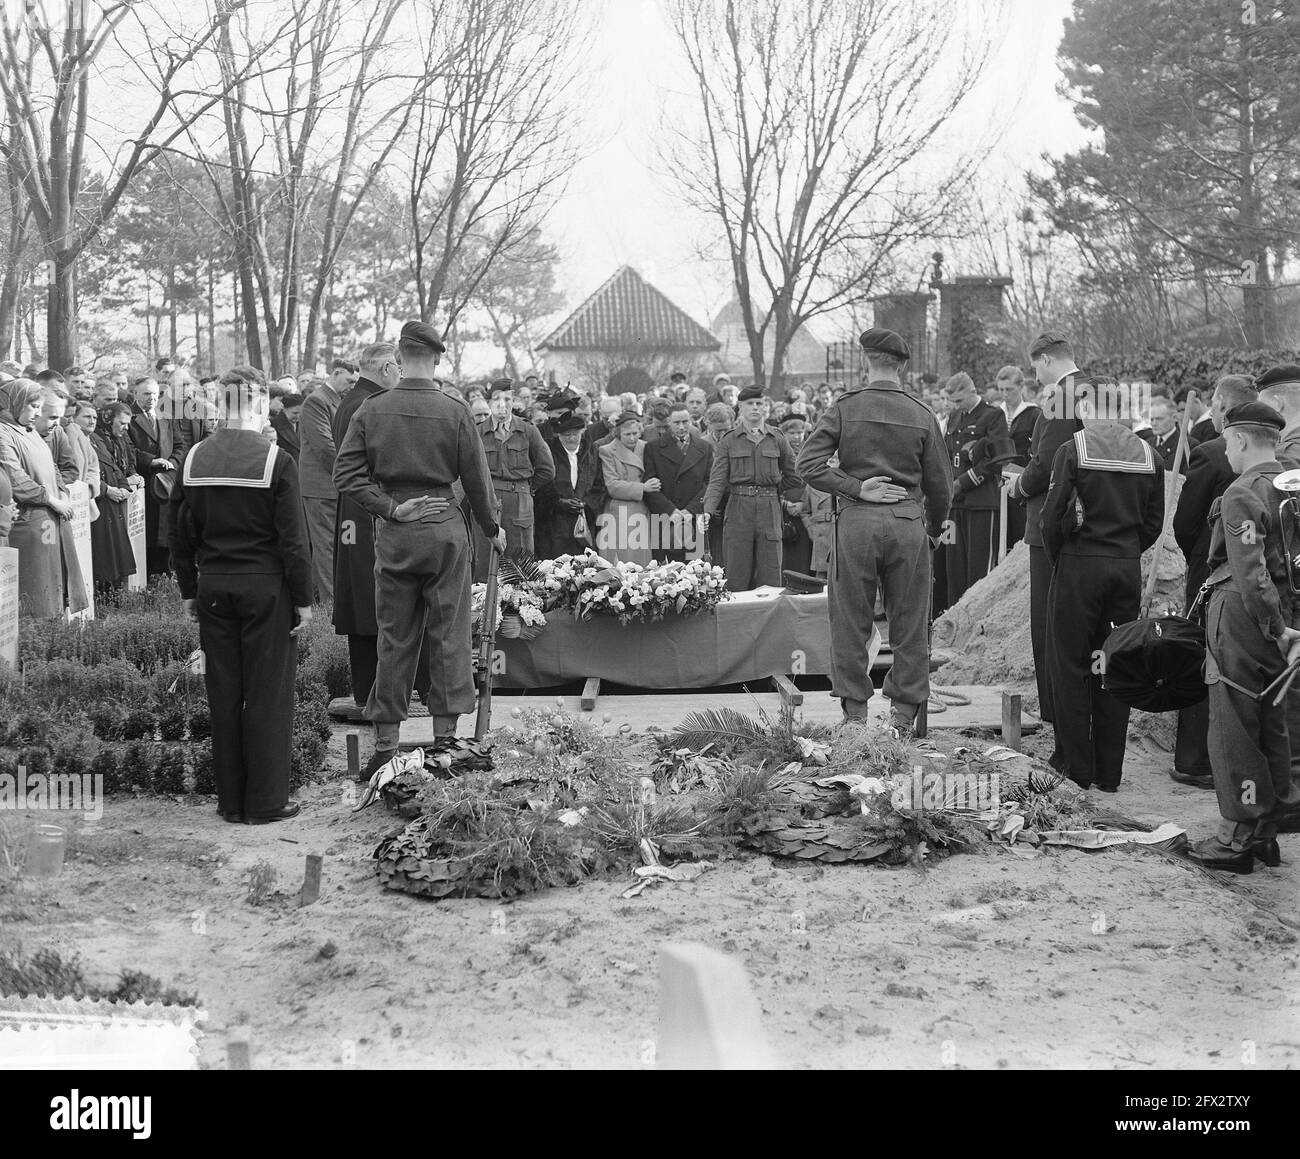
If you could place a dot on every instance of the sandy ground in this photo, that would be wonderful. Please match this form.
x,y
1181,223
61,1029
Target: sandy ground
x,y
849,964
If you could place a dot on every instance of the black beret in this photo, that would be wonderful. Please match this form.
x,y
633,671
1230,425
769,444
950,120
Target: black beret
x,y
569,422
750,392
1278,376
885,342
785,422
425,334
1254,414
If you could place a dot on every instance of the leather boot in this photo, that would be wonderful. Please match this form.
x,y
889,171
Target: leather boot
x,y
854,709
445,725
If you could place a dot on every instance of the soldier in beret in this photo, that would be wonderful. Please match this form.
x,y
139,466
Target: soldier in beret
x,y
403,452
1249,641
891,485
975,432
754,471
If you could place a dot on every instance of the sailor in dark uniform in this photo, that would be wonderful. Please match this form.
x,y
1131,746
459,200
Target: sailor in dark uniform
x,y
240,551
892,490
1105,507
976,432
1249,641
1022,411
403,452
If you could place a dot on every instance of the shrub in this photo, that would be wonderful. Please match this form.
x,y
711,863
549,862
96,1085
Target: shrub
x,y
169,769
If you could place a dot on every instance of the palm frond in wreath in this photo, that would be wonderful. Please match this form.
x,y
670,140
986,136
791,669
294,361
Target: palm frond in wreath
x,y
717,726
518,568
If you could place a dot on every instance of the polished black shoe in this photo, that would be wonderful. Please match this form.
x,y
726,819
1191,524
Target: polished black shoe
x,y
290,810
1269,852
378,759
1196,780
1227,860
1107,788
233,818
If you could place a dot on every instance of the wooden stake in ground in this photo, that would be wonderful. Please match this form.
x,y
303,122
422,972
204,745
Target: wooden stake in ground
x,y
709,1018
1011,720
354,754
311,880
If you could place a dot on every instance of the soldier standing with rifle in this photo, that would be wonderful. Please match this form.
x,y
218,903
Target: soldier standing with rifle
x,y
1249,643
403,452
891,487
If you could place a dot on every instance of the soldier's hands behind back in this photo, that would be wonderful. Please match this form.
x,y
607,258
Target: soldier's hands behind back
x,y
878,489
417,508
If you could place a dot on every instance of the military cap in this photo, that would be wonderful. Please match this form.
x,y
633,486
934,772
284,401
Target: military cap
x,y
1254,414
1288,375
570,422
499,386
749,393
881,341
424,334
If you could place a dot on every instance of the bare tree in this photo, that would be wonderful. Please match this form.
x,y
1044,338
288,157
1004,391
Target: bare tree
x,y
57,79
493,140
810,122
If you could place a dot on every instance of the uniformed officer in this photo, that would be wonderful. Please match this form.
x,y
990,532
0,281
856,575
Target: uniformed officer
x,y
239,548
1020,404
520,464
354,541
891,486
754,471
1249,642
403,452
976,435
1105,507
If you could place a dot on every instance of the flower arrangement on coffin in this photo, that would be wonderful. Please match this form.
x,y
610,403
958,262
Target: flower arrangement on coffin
x,y
589,585
519,599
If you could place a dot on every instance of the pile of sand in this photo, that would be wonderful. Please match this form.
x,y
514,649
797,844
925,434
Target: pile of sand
x,y
988,628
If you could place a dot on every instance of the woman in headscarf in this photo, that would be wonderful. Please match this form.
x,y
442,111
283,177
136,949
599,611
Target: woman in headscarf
x,y
624,531
47,561
110,541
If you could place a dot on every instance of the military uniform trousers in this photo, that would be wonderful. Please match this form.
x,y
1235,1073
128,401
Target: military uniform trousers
x,y
973,551
1192,742
751,538
1250,751
251,663
516,516
422,581
320,514
880,548
1040,583
1088,594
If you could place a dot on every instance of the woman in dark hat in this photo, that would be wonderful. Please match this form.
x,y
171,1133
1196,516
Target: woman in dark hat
x,y
110,541
240,552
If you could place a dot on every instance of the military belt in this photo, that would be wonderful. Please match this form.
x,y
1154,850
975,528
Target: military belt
x,y
432,491
511,484
748,489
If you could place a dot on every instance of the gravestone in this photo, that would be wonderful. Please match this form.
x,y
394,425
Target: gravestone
x,y
135,528
9,606
79,493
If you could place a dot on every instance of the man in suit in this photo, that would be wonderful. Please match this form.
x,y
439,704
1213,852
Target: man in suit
x,y
320,499
681,462
1020,405
285,425
1052,358
561,504
1208,477
1165,434
160,447
976,435
1194,410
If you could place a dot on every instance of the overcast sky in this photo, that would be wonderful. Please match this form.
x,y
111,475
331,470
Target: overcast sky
x,y
617,212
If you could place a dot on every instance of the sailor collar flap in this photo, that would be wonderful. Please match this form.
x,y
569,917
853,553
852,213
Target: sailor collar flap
x,y
1114,448
223,461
